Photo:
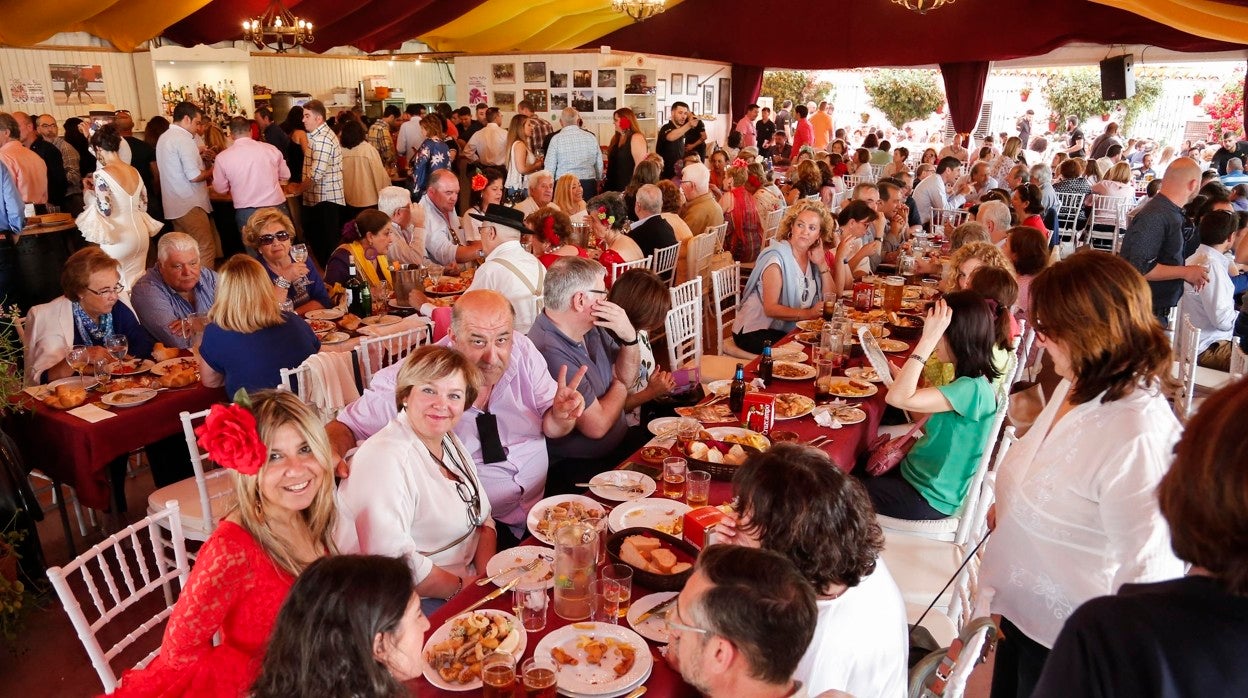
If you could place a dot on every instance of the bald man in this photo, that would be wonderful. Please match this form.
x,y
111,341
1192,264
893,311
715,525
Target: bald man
x,y
1154,242
518,406
575,151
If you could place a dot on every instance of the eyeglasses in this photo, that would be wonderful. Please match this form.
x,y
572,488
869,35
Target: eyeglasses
x,y
270,238
677,625
110,291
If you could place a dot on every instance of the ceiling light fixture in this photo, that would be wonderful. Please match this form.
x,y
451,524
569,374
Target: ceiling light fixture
x,y
639,10
277,29
922,6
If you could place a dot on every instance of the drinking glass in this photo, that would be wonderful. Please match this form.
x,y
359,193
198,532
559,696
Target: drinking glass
x,y
606,601
686,433
622,576
530,604
498,675
103,375
824,370
674,470
299,253
894,289
118,346
539,677
698,488
77,359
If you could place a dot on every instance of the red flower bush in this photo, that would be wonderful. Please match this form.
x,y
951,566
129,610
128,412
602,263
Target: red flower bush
x,y
1227,109
230,438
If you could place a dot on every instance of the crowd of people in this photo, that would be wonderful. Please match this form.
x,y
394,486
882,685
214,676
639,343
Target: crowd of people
x,y
542,380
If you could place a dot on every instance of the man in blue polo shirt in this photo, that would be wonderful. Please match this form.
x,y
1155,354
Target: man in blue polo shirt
x,y
173,297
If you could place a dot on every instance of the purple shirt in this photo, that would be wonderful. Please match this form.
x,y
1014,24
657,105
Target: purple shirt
x,y
250,171
519,402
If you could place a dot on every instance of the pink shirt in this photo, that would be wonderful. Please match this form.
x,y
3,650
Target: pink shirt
x,y
30,174
250,171
803,134
749,135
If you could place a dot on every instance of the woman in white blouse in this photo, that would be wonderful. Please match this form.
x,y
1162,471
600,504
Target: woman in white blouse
x,y
1076,511
414,491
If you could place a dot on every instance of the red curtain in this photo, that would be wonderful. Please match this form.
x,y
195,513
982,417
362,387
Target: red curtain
x,y
964,88
747,83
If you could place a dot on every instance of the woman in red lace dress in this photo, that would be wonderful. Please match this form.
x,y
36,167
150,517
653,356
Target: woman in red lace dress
x,y
608,219
283,521
552,230
741,211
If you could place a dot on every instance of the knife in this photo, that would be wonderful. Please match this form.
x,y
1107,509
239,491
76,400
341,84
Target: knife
x,y
636,692
492,595
657,609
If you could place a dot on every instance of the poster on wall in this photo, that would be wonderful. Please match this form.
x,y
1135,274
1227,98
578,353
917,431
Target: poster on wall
x,y
606,78
606,103
708,97
505,101
537,98
582,78
504,73
28,91
725,95
583,100
660,90
77,84
678,83
558,101
558,80
691,85
535,71
477,91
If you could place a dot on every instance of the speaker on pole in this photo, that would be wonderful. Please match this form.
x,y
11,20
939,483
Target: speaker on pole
x,y
1118,77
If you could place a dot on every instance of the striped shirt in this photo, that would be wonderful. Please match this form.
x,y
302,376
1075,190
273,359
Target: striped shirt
x,y
541,129
322,172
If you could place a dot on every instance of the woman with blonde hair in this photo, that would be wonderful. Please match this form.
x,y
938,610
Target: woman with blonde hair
x,y
967,259
249,339
570,197
1116,182
520,161
806,182
414,491
271,233
1007,160
434,154
283,519
626,150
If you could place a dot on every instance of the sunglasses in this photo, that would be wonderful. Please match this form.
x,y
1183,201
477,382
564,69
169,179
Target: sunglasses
x,y
270,238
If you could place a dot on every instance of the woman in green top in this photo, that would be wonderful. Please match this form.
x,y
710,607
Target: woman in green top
x,y
932,480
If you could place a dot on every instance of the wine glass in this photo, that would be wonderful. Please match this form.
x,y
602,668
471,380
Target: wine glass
x,y
77,359
103,371
118,346
299,253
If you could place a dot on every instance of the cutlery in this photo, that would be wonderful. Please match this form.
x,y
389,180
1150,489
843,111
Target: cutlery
x,y
714,400
493,595
636,692
523,569
657,610
819,440
631,489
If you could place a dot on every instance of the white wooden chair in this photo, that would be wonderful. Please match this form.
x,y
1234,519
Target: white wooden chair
x,y
202,499
621,267
699,250
725,295
665,263
944,673
877,171
852,181
1108,220
1069,205
838,200
813,198
376,353
1188,338
684,334
771,223
687,292
950,216
1239,360
118,574
720,231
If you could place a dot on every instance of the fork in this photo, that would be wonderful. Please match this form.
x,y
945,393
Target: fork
x,y
820,441
630,489
523,569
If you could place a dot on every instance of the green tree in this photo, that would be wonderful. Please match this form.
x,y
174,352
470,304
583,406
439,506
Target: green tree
x,y
801,86
1075,93
1147,91
904,95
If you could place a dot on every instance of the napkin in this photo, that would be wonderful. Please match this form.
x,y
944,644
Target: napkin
x,y
91,413
758,384
824,417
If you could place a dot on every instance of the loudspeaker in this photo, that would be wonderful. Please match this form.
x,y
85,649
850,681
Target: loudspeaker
x,y
1118,77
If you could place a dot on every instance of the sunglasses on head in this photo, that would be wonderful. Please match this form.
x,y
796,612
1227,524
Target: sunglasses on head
x,y
271,237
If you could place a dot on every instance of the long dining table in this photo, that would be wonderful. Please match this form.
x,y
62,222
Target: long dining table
x,y
844,447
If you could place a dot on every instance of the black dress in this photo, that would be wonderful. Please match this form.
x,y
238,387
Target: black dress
x,y
294,160
620,166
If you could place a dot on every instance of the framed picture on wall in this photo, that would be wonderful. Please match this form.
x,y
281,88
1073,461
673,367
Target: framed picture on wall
x,y
691,85
725,95
678,83
535,71
662,116
505,101
558,101
708,97
77,84
697,107
583,100
558,80
537,98
582,78
606,78
660,91
504,73
606,103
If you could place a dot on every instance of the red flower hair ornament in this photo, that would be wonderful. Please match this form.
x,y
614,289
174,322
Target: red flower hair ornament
x,y
479,182
548,231
230,437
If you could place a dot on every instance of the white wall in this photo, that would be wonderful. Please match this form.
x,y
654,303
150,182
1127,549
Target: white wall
x,y
32,64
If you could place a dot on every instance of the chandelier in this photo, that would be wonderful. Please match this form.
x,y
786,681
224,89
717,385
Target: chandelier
x,y
277,29
922,6
639,10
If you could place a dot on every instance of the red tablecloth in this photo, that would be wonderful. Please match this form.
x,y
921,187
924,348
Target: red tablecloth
x,y
75,452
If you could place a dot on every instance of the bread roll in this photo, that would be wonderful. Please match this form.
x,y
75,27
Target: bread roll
x,y
160,352
349,322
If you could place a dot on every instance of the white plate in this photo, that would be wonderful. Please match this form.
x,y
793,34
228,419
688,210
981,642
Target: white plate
x,y
893,345
599,485
664,426
614,693
538,512
128,397
84,382
651,513
381,320
793,351
849,415
142,367
444,631
810,407
841,388
600,680
523,555
718,433
335,338
857,373
176,365
653,628
325,314
807,372
724,387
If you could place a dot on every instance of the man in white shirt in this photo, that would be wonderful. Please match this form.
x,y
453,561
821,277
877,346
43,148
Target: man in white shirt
x,y
407,243
932,193
183,183
1212,306
442,241
575,151
508,268
411,135
488,145
995,216
541,192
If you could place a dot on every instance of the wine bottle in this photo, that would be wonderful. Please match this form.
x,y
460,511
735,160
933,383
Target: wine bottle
x,y
736,398
355,291
764,365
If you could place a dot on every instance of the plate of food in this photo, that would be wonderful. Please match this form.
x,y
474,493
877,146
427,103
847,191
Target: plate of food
x,y
653,628
182,363
893,345
623,485
321,327
520,556
724,387
852,388
789,351
131,367
445,286
381,320
597,659
864,373
737,435
849,415
662,515
810,339
564,508
875,329
335,337
129,397
713,452
792,406
709,414
792,371
664,427
815,325
452,661
398,304
325,314
860,316
654,455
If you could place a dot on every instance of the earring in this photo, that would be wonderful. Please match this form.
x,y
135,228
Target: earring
x,y
370,254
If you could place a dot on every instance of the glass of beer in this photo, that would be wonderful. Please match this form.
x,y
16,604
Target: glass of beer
x,y
606,599
894,289
824,370
698,488
539,677
498,675
674,470
622,593
686,433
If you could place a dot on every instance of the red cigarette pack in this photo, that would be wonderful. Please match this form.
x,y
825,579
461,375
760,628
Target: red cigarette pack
x,y
700,525
758,412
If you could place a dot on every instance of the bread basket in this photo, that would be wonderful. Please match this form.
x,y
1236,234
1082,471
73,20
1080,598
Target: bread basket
x,y
685,552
